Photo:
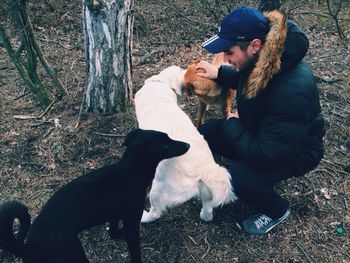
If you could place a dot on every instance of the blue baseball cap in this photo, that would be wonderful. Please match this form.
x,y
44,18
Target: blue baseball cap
x,y
242,24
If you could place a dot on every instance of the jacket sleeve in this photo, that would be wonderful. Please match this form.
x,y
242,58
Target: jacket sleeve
x,y
227,77
279,133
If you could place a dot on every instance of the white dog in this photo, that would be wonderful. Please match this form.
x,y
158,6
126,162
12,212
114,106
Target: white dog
x,y
193,174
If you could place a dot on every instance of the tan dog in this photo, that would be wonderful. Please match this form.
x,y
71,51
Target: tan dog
x,y
208,91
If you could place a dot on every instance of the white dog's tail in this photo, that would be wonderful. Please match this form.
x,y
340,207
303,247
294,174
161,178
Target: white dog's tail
x,y
219,184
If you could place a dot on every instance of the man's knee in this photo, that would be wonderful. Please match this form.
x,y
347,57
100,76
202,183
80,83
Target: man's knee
x,y
226,129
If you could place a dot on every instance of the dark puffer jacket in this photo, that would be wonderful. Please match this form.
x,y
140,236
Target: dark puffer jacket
x,y
280,118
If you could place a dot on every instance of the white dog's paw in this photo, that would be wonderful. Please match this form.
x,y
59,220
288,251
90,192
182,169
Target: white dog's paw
x,y
147,217
206,215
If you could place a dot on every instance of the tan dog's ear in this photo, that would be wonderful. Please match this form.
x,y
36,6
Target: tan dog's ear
x,y
196,61
218,59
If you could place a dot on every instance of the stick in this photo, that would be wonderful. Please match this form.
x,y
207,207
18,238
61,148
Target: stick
x,y
110,135
80,111
47,109
22,95
28,117
327,80
302,250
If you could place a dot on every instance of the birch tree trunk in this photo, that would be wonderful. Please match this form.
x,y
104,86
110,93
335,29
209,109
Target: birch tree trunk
x,y
108,41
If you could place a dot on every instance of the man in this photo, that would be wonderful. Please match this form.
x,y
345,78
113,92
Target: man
x,y
276,132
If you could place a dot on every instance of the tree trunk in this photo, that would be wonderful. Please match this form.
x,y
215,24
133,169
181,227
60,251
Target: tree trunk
x,y
29,77
107,33
29,53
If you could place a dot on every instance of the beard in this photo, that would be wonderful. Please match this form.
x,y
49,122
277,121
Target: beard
x,y
249,64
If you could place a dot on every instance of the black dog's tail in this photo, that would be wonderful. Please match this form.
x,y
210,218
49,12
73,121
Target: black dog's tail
x,y
10,239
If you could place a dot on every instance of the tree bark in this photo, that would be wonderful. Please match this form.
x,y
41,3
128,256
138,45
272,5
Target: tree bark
x,y
107,33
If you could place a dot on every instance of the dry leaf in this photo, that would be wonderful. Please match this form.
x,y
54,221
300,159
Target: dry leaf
x,y
326,193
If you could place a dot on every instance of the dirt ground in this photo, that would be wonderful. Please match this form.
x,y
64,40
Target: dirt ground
x,y
37,156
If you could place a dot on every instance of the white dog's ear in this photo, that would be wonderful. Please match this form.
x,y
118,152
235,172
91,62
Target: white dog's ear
x,y
177,83
174,77
178,87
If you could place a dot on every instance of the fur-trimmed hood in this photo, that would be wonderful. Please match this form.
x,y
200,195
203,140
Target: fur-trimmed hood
x,y
284,47
269,62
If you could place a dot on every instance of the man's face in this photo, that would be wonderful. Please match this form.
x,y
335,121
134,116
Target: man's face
x,y
240,59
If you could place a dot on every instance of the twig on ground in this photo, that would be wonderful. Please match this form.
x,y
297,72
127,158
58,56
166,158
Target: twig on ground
x,y
319,170
327,80
24,117
192,239
305,254
39,123
80,111
47,109
208,249
28,117
110,135
22,95
37,192
346,204
48,132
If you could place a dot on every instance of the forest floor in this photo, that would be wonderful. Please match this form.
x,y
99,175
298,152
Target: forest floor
x,y
37,156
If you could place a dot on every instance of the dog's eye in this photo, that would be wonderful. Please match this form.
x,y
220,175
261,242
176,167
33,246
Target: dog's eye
x,y
166,147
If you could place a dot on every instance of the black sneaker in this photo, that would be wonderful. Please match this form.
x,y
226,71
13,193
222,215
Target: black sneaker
x,y
261,224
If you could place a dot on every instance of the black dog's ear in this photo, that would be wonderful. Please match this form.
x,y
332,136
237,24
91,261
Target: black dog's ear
x,y
131,136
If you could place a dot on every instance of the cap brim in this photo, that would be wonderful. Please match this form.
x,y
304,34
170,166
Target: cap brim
x,y
217,44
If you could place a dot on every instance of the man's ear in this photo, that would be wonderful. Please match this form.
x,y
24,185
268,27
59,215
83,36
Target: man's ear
x,y
255,46
131,136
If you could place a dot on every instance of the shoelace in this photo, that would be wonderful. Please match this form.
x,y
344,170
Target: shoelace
x,y
262,221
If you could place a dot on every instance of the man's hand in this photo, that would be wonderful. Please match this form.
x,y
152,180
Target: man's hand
x,y
210,71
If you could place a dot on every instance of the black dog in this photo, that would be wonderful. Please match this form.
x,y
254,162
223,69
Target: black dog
x,y
108,194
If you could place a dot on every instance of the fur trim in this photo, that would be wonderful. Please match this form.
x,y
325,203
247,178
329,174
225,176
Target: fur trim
x,y
269,62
